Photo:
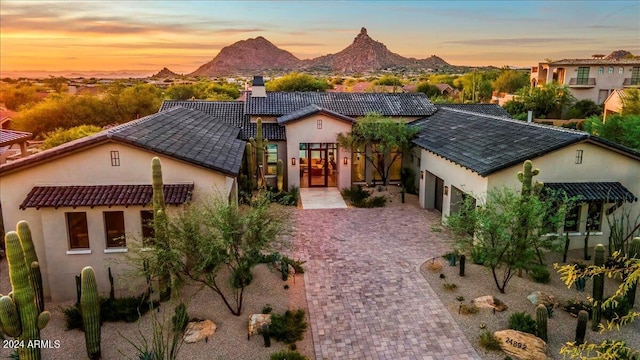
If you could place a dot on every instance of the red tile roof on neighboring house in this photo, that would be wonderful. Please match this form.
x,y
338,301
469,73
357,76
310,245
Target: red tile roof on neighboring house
x,y
103,195
8,137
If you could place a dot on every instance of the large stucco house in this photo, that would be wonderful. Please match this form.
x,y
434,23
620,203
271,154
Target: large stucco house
x,y
589,79
86,201
81,197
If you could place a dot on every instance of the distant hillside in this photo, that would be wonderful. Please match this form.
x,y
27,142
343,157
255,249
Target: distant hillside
x,y
165,74
366,54
249,57
620,54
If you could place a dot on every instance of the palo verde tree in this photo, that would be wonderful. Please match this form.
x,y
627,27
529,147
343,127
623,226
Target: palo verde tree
x,y
223,243
297,82
387,138
508,228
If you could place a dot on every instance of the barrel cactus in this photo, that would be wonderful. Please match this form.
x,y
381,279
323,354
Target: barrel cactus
x,y
20,316
541,321
598,288
90,308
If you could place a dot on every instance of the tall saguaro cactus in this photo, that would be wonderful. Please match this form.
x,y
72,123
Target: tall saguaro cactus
x,y
542,314
19,315
598,288
260,145
526,178
31,258
581,328
160,225
90,308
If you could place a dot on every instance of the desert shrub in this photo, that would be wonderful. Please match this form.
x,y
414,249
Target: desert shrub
x,y
287,355
488,341
267,309
617,310
286,198
373,202
434,265
442,276
289,327
522,321
72,317
128,309
449,286
295,264
540,274
355,194
468,309
460,298
574,307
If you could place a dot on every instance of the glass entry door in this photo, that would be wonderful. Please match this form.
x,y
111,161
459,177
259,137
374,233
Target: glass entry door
x,y
318,165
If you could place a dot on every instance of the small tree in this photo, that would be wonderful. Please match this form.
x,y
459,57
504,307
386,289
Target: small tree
x,y
510,81
620,129
223,242
297,82
383,136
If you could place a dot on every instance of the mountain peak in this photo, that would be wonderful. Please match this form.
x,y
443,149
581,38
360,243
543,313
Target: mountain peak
x,y
363,31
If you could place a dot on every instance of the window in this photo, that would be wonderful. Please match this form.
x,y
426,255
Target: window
x,y
114,229
358,161
319,124
610,71
583,76
620,71
78,230
635,75
382,163
594,216
578,156
148,233
272,159
600,70
115,158
572,219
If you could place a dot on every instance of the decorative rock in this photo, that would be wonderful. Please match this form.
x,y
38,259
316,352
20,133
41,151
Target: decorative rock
x,y
199,330
489,302
256,321
539,297
521,345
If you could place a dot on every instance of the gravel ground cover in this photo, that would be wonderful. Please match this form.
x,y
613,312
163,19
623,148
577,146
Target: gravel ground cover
x,y
478,281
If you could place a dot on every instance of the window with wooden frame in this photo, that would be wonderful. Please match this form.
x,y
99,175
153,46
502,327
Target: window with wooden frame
x,y
114,229
115,158
148,232
78,230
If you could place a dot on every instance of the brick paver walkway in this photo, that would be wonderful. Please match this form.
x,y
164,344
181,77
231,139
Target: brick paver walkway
x,y
366,296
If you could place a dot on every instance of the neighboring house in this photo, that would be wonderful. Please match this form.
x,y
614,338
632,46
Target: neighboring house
x,y
462,153
589,79
6,116
13,144
447,90
502,98
614,103
86,201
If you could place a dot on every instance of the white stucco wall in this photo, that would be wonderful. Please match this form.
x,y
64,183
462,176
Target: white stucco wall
x,y
305,131
92,166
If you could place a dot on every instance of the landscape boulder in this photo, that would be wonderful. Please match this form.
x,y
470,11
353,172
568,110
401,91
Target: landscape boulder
x,y
540,297
521,345
488,301
199,330
256,321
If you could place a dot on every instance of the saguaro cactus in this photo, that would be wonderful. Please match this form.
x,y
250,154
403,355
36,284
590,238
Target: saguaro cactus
x,y
541,321
526,178
280,175
251,164
90,308
581,328
463,260
260,144
160,223
634,253
598,288
20,316
31,259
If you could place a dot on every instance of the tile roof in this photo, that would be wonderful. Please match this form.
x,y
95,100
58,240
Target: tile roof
x,y
349,104
103,195
188,135
485,109
594,191
311,110
231,112
185,134
595,62
8,137
485,144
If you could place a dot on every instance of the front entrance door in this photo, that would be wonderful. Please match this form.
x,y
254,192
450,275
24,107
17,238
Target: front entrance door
x,y
318,165
439,193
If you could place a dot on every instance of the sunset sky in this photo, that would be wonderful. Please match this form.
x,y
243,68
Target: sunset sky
x,y
182,35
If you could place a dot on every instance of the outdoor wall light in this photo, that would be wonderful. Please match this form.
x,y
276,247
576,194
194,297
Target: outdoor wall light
x,y
446,190
345,160
421,175
293,161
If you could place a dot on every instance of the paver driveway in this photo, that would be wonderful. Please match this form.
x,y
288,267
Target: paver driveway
x,y
366,296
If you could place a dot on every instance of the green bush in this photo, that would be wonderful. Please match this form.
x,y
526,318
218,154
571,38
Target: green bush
x,y
540,274
287,355
267,309
522,321
289,327
128,309
488,341
617,310
286,198
574,307
73,317
361,198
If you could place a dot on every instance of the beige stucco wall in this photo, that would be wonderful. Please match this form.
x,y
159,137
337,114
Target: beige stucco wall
x,y
305,131
90,167
613,105
598,164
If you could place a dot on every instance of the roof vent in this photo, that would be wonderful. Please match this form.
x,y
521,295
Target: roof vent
x,y
257,87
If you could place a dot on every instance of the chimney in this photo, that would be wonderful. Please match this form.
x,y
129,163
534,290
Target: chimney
x,y
257,87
